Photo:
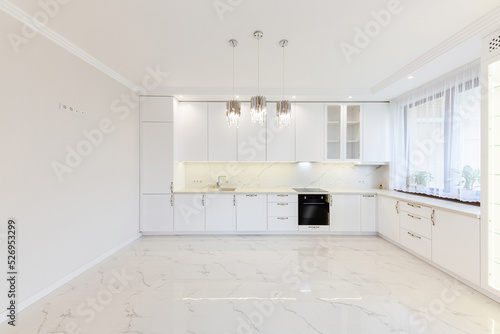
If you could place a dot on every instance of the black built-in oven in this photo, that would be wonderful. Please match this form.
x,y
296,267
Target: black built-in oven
x,y
314,209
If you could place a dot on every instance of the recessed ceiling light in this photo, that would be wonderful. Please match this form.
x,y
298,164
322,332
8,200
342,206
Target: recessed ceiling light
x,y
410,77
293,97
237,97
180,96
349,97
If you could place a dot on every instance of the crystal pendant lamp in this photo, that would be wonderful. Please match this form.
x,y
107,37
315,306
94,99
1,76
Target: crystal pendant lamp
x,y
258,103
284,107
233,107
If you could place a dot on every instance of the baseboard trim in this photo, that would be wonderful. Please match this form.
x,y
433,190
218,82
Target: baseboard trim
x,y
42,293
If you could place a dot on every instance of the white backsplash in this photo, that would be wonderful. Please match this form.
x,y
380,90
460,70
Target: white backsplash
x,y
277,175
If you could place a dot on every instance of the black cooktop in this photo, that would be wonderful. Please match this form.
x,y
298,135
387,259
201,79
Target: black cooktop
x,y
309,190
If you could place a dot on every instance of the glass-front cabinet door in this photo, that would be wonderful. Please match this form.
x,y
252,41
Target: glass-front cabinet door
x,y
494,175
353,118
343,132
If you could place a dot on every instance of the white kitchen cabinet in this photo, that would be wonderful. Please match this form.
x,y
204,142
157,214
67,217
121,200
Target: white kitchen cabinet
x,y
343,132
388,217
157,213
193,131
251,212
368,213
309,131
220,211
345,213
280,141
156,159
189,212
158,109
375,133
251,137
456,244
222,139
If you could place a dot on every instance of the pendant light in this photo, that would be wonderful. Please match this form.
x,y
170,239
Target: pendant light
x,y
258,104
233,107
284,107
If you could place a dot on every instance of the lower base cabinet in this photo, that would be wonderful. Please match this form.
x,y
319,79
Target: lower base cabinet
x,y
220,212
456,244
189,212
345,213
251,213
388,217
157,213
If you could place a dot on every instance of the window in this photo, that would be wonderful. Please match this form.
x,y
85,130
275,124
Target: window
x,y
436,143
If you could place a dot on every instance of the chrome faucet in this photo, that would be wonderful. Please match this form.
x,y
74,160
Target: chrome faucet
x,y
219,183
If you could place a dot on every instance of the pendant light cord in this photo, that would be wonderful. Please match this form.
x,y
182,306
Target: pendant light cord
x,y
233,73
258,67
283,73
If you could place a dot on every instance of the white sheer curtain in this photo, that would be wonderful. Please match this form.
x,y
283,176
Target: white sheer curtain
x,y
436,137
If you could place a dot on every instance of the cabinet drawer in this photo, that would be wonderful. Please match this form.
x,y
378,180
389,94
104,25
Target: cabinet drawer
x,y
416,209
413,223
314,228
282,224
283,209
417,243
283,198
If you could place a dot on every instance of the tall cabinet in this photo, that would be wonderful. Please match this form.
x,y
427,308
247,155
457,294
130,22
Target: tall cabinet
x,y
156,163
490,165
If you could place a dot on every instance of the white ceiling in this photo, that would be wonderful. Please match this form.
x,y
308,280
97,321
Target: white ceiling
x,y
188,39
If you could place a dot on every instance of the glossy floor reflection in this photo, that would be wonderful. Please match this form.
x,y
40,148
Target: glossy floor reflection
x,y
262,284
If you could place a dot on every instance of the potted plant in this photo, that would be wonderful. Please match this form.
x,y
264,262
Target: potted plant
x,y
469,177
419,180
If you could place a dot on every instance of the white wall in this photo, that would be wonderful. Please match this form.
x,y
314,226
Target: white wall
x,y
277,175
62,225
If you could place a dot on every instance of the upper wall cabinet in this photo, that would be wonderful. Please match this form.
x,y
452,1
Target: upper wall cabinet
x,y
375,133
343,132
251,137
193,131
222,139
280,141
309,131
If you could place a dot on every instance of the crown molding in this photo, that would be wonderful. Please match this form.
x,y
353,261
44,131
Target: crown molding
x,y
28,20
483,24
263,91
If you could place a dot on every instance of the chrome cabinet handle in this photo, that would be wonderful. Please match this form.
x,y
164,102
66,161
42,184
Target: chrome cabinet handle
x,y
414,205
171,187
414,217
282,203
433,218
282,218
282,195
313,226
234,200
413,235
251,195
203,200
368,195
397,207
331,200
171,200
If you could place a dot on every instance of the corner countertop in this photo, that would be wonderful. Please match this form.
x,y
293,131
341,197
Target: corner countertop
x,y
462,208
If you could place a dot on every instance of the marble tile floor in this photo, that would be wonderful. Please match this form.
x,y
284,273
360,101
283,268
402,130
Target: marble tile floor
x,y
261,284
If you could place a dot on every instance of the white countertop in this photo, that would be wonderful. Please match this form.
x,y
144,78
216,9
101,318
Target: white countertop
x,y
470,210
